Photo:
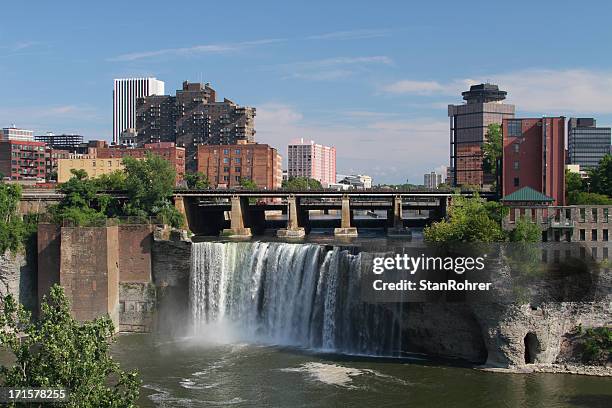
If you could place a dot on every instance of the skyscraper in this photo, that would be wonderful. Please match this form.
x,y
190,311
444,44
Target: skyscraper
x,y
311,160
587,143
191,118
125,93
468,129
534,156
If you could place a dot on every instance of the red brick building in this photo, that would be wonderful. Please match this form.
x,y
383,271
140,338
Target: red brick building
x,y
22,160
534,156
51,161
167,150
227,165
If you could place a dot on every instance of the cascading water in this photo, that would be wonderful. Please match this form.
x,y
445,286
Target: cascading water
x,y
290,294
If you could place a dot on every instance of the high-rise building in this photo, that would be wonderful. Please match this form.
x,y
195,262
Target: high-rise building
x,y
432,180
191,118
125,93
226,166
533,156
311,160
468,128
63,141
587,143
13,133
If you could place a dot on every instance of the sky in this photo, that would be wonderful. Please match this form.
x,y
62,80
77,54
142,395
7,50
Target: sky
x,y
372,79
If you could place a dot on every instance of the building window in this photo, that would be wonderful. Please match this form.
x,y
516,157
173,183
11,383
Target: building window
x,y
514,128
237,151
582,234
516,165
516,182
237,169
226,169
225,160
516,147
237,160
594,235
225,151
604,235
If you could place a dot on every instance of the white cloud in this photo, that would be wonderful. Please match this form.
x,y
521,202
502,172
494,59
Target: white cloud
x,y
546,91
330,68
351,35
388,150
195,50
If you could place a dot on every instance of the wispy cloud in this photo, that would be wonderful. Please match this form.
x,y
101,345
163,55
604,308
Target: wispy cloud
x,y
330,68
550,91
196,50
351,34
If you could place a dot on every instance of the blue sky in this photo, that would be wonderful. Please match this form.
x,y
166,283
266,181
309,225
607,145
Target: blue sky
x,y
371,78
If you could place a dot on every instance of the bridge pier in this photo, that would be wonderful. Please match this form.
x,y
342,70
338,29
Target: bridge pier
x,y
237,216
397,228
345,229
293,229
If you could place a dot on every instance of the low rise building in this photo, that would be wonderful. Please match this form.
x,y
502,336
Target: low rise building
x,y
61,142
94,166
51,161
13,133
167,150
226,166
357,181
22,160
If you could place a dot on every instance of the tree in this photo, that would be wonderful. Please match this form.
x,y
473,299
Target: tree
x,y
600,178
196,181
492,149
302,183
469,220
584,198
81,202
149,184
15,231
573,182
525,231
248,184
56,351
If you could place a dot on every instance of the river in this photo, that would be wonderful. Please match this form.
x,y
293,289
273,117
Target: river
x,y
191,372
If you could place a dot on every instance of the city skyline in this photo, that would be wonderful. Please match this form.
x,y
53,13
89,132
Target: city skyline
x,y
361,81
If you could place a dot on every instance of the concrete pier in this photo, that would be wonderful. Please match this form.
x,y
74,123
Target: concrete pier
x,y
237,215
293,229
397,229
345,229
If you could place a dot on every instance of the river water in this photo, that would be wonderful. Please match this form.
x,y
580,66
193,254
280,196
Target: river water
x,y
282,325
191,372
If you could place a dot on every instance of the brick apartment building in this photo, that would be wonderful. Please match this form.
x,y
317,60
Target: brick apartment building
x,y
52,157
167,150
534,156
191,118
227,165
22,160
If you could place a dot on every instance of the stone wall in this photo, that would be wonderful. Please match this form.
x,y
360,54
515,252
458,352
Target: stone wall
x,y
18,277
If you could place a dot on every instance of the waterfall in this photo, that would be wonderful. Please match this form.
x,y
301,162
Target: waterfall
x,y
300,295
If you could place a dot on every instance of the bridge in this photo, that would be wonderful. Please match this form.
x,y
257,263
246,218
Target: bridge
x,y
243,213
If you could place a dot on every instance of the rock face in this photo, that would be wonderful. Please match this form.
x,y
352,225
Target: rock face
x,y
18,277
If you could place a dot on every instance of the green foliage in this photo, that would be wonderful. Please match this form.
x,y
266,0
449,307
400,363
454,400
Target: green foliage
x,y
15,231
111,181
81,203
492,148
583,198
573,182
600,178
469,220
302,183
525,231
196,181
58,351
597,343
248,184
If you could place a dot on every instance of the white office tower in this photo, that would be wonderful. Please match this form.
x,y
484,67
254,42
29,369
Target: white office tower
x,y
125,93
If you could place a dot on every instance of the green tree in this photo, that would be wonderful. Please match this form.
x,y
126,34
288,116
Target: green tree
x,y
600,178
149,184
57,351
196,181
584,198
81,202
492,148
112,181
573,182
15,231
248,184
525,231
469,220
302,183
